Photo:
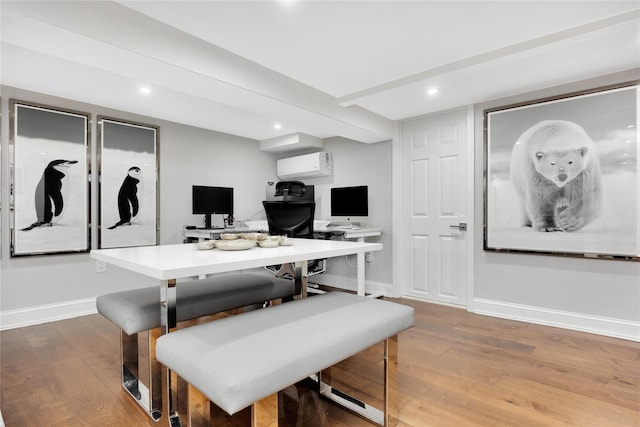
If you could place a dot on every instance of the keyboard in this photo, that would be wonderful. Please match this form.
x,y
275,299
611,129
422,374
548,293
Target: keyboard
x,y
319,224
346,227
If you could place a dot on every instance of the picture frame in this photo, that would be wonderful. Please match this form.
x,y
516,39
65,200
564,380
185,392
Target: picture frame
x,y
50,185
128,183
1,134
561,175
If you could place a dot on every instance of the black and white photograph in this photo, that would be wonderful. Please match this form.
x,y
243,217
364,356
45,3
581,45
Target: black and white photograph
x,y
50,181
128,177
562,175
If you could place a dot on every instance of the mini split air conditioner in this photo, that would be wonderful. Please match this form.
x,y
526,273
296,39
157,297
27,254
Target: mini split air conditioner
x,y
306,166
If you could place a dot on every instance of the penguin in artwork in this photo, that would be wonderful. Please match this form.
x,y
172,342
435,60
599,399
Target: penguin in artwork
x,y
128,204
49,197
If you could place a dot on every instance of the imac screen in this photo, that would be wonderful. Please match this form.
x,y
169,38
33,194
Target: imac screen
x,y
350,201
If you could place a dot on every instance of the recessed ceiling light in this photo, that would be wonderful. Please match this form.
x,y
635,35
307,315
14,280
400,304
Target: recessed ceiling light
x,y
145,90
277,126
432,91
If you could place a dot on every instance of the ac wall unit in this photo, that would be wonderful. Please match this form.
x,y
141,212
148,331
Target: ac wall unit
x,y
306,166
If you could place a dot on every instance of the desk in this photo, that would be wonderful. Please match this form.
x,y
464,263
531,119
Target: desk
x,y
358,233
214,233
170,262
321,231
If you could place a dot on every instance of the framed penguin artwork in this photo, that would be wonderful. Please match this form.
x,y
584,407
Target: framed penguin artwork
x,y
562,175
128,184
50,191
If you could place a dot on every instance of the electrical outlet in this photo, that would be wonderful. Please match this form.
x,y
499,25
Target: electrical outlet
x,y
101,266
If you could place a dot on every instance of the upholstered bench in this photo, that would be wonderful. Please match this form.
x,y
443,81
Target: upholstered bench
x,y
246,359
138,310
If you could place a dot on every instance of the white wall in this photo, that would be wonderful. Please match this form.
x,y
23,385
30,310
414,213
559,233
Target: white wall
x,y
595,295
41,288
190,156
354,164
58,284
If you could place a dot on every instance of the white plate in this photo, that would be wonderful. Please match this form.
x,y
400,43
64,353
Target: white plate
x,y
235,245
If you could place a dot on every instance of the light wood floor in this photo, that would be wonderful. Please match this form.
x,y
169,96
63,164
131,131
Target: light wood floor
x,y
456,369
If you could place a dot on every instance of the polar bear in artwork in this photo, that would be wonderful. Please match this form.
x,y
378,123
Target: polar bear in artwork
x,y
556,174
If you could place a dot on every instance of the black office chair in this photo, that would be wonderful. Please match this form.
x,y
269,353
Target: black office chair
x,y
288,189
293,219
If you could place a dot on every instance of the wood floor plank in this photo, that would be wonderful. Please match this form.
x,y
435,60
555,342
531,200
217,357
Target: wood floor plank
x,y
565,406
455,369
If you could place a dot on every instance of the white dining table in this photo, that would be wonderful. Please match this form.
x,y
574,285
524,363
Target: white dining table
x,y
169,263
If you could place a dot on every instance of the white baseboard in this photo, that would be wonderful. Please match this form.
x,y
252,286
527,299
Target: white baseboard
x,y
29,316
19,318
351,284
616,328
625,329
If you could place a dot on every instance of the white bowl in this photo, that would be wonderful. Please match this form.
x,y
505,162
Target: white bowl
x,y
205,245
228,236
254,236
269,243
235,245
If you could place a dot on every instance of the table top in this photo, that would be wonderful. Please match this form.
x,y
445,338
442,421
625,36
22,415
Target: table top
x,y
177,261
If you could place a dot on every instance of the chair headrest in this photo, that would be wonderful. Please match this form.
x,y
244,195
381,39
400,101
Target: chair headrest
x,y
290,188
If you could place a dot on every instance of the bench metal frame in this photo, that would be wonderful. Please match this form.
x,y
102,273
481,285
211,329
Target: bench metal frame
x,y
146,391
388,416
202,412
171,400
144,378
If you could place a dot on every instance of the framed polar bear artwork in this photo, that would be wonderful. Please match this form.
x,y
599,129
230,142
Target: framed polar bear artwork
x,y
562,175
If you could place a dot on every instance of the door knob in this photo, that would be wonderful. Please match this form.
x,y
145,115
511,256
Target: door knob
x,y
462,226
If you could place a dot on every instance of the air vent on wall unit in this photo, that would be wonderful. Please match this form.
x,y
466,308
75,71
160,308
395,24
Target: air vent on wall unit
x,y
306,166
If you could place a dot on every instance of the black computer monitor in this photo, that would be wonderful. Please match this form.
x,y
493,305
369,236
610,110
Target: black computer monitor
x,y
211,200
347,202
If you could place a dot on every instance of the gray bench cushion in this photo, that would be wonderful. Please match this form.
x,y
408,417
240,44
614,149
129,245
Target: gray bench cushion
x,y
241,359
139,309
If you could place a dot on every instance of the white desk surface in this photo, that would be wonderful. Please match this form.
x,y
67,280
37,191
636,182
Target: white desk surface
x,y
166,262
210,233
353,233
347,232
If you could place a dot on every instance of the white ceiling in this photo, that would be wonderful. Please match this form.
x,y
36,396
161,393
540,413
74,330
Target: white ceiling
x,y
325,68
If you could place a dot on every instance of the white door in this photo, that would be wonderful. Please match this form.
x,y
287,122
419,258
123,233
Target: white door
x,y
435,172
